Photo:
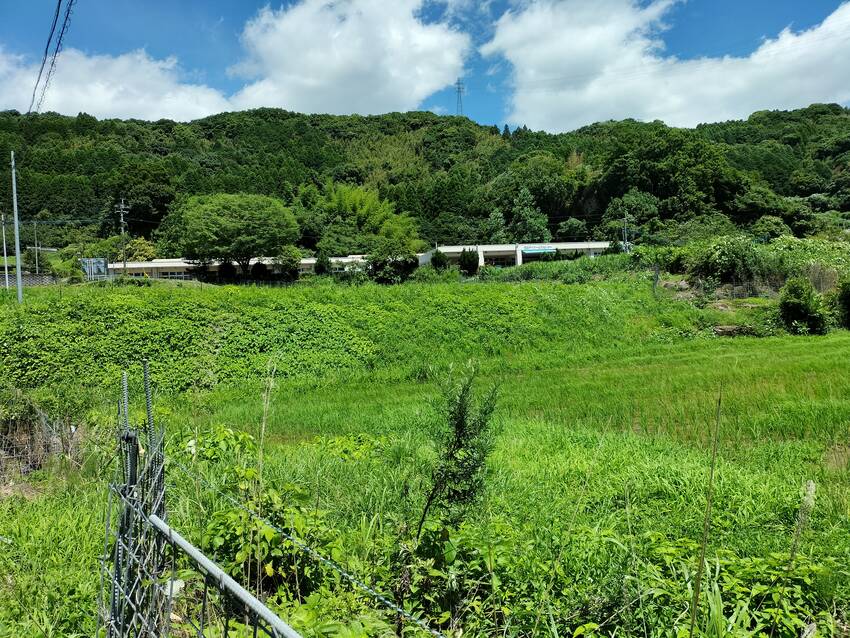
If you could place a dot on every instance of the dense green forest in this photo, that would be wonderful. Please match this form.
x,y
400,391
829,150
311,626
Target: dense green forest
x,y
351,179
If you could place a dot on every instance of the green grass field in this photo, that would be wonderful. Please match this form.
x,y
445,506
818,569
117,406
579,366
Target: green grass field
x,y
595,496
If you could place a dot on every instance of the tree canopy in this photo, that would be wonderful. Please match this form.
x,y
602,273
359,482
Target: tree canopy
x,y
227,227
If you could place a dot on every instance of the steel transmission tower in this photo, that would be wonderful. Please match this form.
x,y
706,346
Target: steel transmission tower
x,y
459,89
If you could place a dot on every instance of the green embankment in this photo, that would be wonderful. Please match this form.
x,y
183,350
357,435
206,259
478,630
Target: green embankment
x,y
200,338
596,493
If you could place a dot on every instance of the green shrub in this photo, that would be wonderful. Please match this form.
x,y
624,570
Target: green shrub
x,y
125,281
259,271
429,275
439,261
391,263
68,269
140,249
252,551
468,262
353,275
843,302
288,263
801,308
573,271
28,260
323,264
769,227
726,259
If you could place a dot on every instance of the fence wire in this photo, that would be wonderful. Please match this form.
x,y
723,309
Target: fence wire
x,y
356,582
29,436
155,583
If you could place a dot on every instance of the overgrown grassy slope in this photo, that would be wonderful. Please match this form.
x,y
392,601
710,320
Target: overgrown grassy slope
x,y
203,337
596,492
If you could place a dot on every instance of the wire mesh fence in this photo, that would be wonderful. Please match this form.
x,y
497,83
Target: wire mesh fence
x,y
823,279
29,436
155,583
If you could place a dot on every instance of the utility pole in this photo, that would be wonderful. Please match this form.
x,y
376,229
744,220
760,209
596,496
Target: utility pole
x,y
122,208
5,257
626,233
18,277
459,89
35,241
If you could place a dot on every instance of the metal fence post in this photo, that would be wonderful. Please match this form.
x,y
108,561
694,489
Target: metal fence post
x,y
145,548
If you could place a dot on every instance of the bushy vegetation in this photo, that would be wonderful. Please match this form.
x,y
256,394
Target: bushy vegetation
x,y
843,302
570,271
737,258
580,513
201,337
801,308
439,261
468,262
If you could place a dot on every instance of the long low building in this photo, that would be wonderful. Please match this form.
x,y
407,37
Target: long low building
x,y
518,254
488,254
179,268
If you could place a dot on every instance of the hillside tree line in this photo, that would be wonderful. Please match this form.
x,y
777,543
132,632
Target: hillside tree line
x,y
236,185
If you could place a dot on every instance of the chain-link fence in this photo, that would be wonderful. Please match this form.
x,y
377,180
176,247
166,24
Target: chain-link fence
x,y
29,436
141,593
823,279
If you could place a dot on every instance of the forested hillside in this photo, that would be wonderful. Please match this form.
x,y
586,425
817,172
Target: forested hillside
x,y
443,179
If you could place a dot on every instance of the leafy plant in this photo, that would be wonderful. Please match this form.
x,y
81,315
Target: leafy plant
x,y
288,262
428,570
392,262
843,302
323,264
801,308
727,259
439,261
769,227
257,553
464,438
468,262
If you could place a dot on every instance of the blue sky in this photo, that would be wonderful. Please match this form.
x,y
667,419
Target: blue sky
x,y
548,64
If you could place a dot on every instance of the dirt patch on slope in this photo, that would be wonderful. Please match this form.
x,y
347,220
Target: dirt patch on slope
x,y
838,457
22,490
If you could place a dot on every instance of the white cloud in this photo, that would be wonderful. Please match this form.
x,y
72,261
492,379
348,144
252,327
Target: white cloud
x,y
329,56
128,85
577,62
348,56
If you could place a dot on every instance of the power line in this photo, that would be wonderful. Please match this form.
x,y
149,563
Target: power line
x,y
57,49
59,222
46,51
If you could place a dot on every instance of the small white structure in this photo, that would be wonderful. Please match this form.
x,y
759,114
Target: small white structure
x,y
517,254
176,268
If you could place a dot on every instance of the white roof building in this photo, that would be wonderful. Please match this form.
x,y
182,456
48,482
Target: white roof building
x,y
489,254
517,254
